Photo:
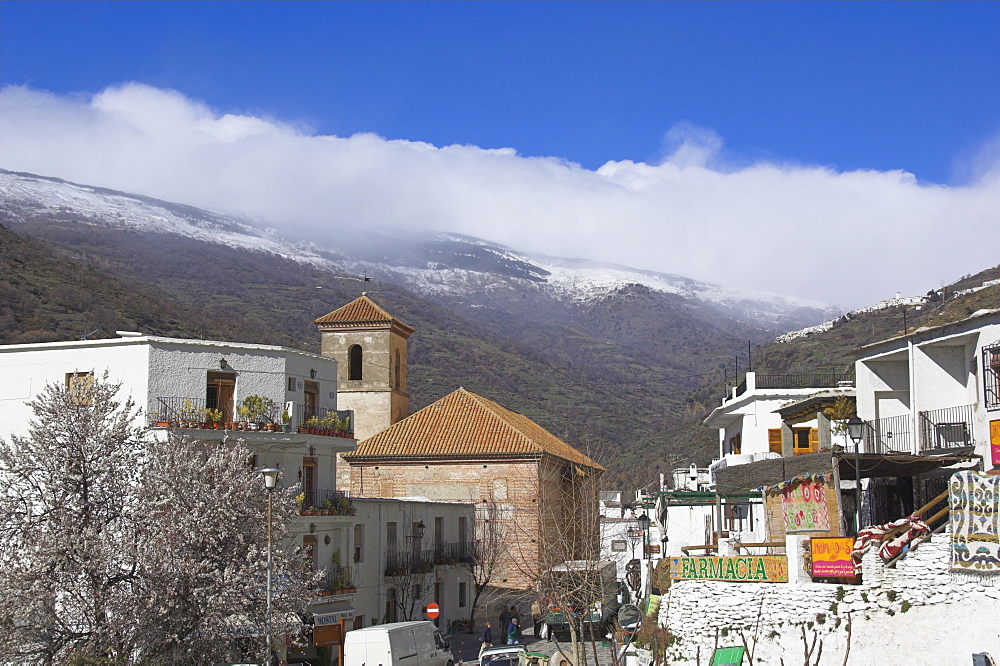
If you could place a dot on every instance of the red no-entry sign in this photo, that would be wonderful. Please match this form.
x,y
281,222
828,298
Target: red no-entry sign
x,y
433,610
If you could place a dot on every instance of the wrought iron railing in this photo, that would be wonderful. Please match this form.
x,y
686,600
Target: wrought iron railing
x,y
323,421
338,579
405,562
826,380
326,503
991,376
820,380
948,428
889,434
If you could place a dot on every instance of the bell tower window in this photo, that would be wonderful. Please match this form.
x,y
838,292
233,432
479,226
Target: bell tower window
x,y
354,362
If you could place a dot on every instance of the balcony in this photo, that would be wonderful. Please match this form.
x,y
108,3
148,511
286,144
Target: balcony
x,y
753,381
405,562
255,414
338,580
888,435
326,503
945,430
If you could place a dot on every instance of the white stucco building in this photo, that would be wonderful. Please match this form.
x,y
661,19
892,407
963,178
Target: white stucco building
x,y
175,382
934,390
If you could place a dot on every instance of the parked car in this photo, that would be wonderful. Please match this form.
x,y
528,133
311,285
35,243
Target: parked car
x,y
502,655
397,644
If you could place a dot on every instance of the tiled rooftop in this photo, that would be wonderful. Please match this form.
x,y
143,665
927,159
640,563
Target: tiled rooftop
x,y
465,424
361,310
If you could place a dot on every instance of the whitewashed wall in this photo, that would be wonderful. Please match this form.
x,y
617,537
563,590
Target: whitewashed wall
x,y
913,614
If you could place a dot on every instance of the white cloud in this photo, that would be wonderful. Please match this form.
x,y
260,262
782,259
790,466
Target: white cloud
x,y
847,237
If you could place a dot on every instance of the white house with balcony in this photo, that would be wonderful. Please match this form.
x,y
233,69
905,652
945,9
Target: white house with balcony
x,y
198,388
933,391
750,427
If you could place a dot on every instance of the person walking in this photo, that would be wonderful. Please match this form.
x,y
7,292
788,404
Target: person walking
x,y
504,619
486,638
513,632
536,617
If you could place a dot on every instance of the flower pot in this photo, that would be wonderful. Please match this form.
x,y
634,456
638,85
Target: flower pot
x,y
162,424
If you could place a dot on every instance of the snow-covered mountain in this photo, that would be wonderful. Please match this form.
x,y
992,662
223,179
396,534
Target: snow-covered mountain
x,y
445,267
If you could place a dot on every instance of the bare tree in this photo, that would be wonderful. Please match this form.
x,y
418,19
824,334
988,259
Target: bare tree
x,y
118,548
567,572
488,552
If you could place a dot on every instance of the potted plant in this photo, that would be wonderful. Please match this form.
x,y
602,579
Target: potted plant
x,y
244,418
159,422
213,418
257,408
286,419
299,499
190,415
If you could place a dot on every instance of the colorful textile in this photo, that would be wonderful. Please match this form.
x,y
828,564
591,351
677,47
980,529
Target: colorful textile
x,y
804,506
974,500
891,537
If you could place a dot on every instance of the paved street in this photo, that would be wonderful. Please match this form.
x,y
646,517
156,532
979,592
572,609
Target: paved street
x,y
465,647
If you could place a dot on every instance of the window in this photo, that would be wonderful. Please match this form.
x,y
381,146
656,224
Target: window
x,y
619,546
219,392
78,385
774,440
359,544
291,384
308,480
309,547
439,534
734,445
359,621
390,605
396,373
391,540
462,595
354,362
805,440
462,538
309,399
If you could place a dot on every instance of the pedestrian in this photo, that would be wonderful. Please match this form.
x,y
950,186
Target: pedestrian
x,y
486,638
514,615
536,617
513,632
504,619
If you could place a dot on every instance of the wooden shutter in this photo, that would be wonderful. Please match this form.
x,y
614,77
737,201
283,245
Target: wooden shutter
x,y
774,440
813,440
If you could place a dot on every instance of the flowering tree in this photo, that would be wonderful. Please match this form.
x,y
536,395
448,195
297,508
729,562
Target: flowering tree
x,y
116,547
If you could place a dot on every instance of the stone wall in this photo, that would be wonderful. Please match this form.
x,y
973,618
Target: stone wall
x,y
915,613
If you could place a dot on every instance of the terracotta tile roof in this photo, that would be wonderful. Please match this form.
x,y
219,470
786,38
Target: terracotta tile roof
x,y
465,424
360,311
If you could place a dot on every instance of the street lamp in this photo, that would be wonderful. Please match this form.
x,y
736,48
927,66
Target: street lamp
x,y
855,430
270,475
644,522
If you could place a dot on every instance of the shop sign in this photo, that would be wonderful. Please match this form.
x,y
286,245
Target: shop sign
x,y
746,568
831,557
329,634
804,505
995,442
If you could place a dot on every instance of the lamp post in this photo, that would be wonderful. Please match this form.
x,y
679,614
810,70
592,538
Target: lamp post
x,y
644,522
855,430
270,475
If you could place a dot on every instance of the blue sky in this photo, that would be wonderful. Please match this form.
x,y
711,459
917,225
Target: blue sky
x,y
732,96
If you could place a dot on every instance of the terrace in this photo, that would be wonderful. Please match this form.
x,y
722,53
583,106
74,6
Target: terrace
x,y
255,413
753,381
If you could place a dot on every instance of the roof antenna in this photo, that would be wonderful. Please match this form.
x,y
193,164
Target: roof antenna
x,y
87,335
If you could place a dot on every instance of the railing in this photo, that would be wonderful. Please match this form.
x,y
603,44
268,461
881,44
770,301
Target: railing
x,y
452,553
991,376
326,503
890,434
944,429
404,562
827,380
338,579
186,412
821,380
323,421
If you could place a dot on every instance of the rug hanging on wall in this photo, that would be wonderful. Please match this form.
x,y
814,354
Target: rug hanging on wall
x,y
974,502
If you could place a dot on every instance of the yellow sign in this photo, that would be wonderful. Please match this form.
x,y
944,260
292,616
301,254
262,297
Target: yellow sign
x,y
831,556
746,568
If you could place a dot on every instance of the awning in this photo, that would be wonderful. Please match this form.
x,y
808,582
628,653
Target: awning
x,y
332,613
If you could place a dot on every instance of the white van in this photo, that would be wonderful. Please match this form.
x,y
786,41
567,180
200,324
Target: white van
x,y
397,644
